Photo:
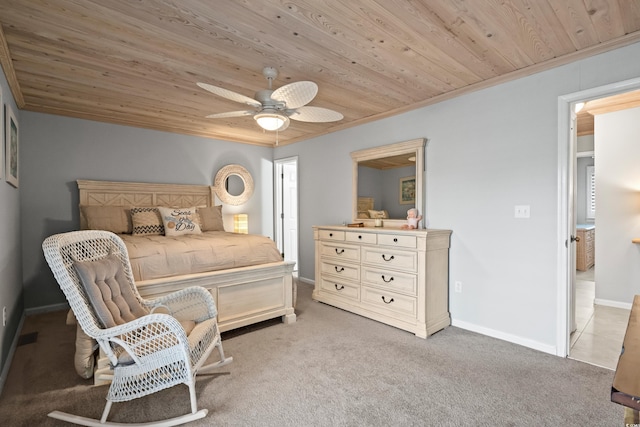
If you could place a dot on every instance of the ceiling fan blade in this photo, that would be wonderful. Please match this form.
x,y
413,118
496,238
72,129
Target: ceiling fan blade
x,y
230,114
315,114
296,94
233,96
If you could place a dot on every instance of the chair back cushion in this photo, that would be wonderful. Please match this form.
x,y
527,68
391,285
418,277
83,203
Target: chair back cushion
x,y
109,291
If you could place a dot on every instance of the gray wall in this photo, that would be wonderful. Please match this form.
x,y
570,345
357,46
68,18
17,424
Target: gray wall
x,y
56,151
487,151
10,243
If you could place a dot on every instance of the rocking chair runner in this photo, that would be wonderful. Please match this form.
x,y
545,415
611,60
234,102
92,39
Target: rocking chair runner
x,y
148,349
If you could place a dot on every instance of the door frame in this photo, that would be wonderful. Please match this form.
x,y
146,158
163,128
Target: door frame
x,y
278,205
565,202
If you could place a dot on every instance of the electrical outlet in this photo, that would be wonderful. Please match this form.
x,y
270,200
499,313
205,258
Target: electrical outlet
x,y
4,316
458,287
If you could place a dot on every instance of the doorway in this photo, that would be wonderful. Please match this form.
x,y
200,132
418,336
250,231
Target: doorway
x,y
566,217
286,208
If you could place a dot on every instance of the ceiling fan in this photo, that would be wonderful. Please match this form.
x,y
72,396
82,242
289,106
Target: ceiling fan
x,y
272,109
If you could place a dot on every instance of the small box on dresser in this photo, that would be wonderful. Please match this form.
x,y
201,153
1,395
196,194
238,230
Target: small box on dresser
x,y
395,276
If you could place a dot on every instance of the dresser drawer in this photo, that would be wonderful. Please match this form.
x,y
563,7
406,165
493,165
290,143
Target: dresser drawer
x,y
369,238
398,240
391,280
389,258
340,251
331,235
344,289
344,271
383,300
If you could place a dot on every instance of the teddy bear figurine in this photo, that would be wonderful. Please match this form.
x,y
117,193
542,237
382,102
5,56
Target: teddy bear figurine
x,y
413,218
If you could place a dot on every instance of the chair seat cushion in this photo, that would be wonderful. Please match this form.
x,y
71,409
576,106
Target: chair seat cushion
x,y
109,291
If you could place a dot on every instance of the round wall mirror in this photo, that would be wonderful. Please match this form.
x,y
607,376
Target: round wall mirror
x,y
233,185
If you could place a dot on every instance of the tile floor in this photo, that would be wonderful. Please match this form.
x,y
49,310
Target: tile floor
x,y
600,329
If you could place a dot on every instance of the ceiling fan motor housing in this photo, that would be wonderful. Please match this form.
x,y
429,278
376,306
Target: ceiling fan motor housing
x,y
264,97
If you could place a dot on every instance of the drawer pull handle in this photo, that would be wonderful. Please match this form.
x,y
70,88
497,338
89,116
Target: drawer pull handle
x,y
395,240
385,301
339,252
338,271
330,234
384,257
387,281
338,288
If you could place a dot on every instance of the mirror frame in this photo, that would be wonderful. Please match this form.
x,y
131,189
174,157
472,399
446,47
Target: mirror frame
x,y
414,146
221,190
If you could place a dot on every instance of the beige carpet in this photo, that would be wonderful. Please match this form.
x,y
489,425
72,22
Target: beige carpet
x,y
330,368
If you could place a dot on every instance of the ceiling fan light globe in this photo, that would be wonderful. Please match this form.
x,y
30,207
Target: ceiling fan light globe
x,y
271,121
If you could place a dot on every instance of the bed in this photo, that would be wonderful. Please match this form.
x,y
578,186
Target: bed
x,y
253,283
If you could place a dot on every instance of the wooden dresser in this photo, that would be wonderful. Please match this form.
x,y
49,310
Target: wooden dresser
x,y
585,247
398,277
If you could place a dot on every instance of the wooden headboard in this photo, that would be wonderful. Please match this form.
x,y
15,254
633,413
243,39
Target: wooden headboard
x,y
130,194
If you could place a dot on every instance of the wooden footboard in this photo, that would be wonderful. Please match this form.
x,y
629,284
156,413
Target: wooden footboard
x,y
244,295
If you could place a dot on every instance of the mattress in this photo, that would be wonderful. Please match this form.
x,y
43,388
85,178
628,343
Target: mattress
x,y
154,257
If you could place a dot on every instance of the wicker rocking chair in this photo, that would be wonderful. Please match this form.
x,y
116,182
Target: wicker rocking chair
x,y
149,349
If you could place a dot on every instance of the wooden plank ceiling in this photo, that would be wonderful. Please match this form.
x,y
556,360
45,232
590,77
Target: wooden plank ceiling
x,y
136,63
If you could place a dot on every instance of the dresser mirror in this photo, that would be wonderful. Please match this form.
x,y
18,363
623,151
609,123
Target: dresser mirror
x,y
388,181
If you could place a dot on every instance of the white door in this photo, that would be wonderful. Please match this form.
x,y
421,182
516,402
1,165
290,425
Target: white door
x,y
573,182
287,208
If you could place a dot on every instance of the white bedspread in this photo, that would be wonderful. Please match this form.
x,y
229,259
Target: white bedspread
x,y
153,257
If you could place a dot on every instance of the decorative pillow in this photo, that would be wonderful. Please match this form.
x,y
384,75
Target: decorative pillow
x,y
378,214
110,218
211,218
146,221
109,291
180,221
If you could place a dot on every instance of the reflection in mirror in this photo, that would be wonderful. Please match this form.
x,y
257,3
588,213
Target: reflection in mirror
x,y
388,181
234,185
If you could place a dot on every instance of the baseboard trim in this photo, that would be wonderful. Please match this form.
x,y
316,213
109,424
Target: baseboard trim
x,y
610,303
12,350
545,348
46,308
307,281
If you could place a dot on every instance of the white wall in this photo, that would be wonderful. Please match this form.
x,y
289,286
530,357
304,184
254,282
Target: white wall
x,y
10,245
487,151
56,151
617,147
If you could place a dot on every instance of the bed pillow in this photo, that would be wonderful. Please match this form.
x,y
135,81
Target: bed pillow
x,y
211,218
180,221
110,218
109,291
378,214
146,221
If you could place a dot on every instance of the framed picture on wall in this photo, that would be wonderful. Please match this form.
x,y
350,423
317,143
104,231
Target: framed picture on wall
x,y
408,190
11,145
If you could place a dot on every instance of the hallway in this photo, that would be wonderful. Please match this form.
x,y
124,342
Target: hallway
x,y
600,329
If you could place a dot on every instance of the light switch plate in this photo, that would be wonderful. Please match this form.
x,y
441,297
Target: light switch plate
x,y
522,211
